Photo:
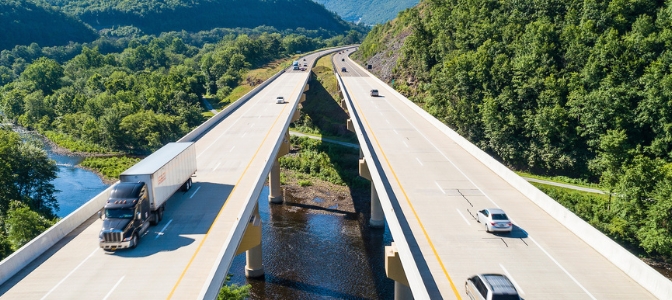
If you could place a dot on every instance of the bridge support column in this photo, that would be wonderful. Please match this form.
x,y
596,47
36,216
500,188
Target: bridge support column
x,y
395,271
251,245
274,191
350,126
377,219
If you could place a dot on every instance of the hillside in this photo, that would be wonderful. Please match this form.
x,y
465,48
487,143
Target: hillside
x,y
575,88
24,22
156,16
367,12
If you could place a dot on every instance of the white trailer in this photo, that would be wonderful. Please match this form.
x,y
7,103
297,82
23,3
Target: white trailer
x,y
164,172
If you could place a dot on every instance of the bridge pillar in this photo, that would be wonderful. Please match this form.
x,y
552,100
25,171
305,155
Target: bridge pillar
x,y
344,105
303,98
306,88
251,245
395,271
350,126
275,194
377,219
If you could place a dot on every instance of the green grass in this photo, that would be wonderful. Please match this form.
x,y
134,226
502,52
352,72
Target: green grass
x,y
562,179
74,144
109,167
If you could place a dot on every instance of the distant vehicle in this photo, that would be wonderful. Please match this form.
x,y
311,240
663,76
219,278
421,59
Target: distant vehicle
x,y
494,219
295,65
305,65
279,100
342,59
139,199
343,69
491,287
304,59
374,93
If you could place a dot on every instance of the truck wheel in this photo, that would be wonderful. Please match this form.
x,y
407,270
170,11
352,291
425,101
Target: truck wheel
x,y
159,215
134,241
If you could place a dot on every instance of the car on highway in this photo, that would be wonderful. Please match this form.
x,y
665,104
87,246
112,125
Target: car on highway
x,y
279,100
343,69
342,59
495,219
491,287
304,59
374,93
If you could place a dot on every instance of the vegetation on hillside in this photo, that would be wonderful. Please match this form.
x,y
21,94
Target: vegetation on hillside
x,y
574,88
367,12
321,113
157,16
24,22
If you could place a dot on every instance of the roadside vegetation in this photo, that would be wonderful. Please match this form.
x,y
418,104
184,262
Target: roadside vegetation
x,y
27,202
564,89
321,113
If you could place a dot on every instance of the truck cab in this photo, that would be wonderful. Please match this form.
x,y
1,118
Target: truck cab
x,y
127,216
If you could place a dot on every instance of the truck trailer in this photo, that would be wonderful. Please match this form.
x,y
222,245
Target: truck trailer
x,y
139,199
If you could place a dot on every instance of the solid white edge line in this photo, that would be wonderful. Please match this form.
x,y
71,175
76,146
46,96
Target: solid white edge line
x,y
163,229
196,191
440,188
563,269
71,272
461,215
512,280
113,288
419,161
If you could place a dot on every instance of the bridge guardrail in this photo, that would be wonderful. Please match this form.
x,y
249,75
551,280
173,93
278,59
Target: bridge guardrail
x,y
18,260
639,271
413,275
218,273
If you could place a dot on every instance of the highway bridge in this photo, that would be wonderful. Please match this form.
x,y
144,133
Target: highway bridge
x,y
427,184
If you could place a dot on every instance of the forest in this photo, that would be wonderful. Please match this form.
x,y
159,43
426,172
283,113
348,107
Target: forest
x,y
574,88
25,22
157,16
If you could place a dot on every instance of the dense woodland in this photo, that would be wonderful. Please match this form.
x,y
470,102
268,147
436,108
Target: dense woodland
x,y
62,22
25,22
367,12
156,16
581,88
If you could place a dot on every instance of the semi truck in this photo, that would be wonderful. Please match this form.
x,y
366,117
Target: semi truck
x,y
139,199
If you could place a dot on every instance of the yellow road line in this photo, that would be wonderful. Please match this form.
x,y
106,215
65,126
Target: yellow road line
x,y
424,231
198,249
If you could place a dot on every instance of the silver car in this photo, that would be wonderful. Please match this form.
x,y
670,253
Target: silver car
x,y
494,219
491,287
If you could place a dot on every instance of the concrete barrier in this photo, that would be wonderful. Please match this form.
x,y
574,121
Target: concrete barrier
x,y
639,271
26,254
415,279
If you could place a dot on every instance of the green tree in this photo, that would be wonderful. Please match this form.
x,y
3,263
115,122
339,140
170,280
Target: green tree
x,y
45,73
23,224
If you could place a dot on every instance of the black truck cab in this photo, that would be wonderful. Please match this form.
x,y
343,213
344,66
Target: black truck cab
x,y
127,216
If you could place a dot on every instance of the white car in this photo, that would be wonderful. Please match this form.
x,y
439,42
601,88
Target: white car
x,y
494,219
280,100
374,93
